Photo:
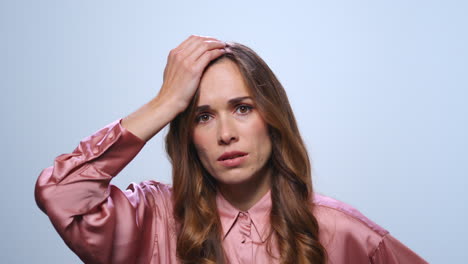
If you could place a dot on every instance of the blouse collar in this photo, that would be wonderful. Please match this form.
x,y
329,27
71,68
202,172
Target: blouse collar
x,y
259,213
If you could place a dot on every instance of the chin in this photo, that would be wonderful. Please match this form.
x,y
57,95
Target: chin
x,y
233,179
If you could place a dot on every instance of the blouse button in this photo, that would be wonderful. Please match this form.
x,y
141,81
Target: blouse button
x,y
111,135
95,150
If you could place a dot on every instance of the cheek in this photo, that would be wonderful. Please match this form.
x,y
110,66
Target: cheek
x,y
266,147
201,142
262,139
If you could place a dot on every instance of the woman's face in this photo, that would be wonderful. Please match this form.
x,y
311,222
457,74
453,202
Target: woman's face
x,y
230,136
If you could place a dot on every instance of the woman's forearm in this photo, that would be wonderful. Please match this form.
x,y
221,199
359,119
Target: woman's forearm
x,y
149,119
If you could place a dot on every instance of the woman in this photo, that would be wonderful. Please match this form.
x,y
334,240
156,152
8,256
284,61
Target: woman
x,y
242,191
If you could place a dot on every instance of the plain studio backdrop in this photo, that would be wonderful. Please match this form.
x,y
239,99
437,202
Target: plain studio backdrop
x,y
379,90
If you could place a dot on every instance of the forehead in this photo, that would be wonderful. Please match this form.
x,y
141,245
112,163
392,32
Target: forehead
x,y
221,82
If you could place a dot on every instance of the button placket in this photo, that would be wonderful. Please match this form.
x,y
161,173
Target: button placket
x,y
245,226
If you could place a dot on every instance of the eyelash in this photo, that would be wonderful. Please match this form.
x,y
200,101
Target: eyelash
x,y
248,107
199,117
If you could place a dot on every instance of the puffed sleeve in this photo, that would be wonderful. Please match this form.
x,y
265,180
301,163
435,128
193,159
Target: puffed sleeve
x,y
98,221
392,251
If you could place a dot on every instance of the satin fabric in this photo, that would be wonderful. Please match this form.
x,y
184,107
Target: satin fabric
x,y
103,224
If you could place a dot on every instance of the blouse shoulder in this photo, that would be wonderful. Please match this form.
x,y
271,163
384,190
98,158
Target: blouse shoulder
x,y
155,187
345,232
330,207
161,192
350,237
159,197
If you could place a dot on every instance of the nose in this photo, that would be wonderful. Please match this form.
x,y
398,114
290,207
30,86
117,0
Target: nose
x,y
227,132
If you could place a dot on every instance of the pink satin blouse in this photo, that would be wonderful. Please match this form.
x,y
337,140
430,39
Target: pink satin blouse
x,y
103,224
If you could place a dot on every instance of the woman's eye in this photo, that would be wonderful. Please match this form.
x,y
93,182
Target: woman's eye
x,y
203,118
243,109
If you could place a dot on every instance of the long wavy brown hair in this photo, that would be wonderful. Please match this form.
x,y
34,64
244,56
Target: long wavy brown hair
x,y
293,224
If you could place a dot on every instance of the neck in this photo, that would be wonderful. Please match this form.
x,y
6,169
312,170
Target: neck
x,y
244,195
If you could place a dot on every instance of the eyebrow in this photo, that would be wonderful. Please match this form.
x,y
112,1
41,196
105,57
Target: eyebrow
x,y
232,101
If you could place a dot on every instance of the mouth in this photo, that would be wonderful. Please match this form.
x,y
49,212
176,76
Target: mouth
x,y
231,155
232,159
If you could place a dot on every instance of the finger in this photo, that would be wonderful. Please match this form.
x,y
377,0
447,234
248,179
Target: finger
x,y
192,41
193,45
186,42
185,49
175,54
204,47
208,56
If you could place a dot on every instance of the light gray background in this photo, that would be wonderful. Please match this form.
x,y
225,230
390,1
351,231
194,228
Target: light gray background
x,y
379,89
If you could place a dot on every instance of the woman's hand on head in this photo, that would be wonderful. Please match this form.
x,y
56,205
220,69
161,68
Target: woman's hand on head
x,y
184,68
185,65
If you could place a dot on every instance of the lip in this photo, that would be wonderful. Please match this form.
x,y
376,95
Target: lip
x,y
230,154
227,159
